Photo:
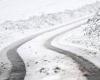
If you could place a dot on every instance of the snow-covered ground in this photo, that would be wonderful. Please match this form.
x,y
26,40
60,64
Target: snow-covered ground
x,y
11,31
83,41
41,62
11,38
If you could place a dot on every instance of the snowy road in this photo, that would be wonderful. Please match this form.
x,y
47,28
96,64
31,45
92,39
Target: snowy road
x,y
87,67
37,45
18,62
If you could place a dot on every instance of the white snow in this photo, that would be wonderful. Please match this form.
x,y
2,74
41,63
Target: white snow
x,y
17,29
22,9
37,58
10,36
76,42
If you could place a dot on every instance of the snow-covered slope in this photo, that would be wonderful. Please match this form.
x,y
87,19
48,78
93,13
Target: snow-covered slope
x,y
88,35
12,30
84,41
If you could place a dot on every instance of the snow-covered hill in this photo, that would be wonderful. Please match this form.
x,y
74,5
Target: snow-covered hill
x,y
12,30
50,19
88,35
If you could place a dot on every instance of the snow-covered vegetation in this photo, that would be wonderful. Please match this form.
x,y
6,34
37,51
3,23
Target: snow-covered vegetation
x,y
88,34
92,31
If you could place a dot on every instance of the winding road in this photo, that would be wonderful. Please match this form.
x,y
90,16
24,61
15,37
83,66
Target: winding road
x,y
18,69
91,71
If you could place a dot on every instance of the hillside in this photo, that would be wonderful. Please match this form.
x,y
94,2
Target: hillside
x,y
87,36
50,19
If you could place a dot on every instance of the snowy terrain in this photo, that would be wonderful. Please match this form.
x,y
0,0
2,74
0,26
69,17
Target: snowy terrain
x,y
13,30
42,62
50,65
84,41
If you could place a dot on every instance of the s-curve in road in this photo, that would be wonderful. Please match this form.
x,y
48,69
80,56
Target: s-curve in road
x,y
17,66
37,46
90,70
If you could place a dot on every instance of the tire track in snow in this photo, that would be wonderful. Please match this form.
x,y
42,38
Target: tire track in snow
x,y
88,68
18,70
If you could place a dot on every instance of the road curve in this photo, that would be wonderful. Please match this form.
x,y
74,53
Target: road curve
x,y
18,70
88,68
